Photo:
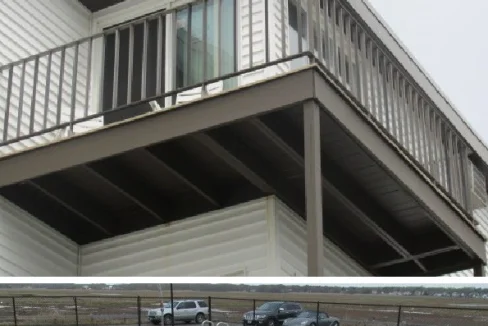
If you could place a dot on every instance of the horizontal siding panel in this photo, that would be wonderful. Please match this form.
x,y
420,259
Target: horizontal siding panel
x,y
28,247
214,244
292,248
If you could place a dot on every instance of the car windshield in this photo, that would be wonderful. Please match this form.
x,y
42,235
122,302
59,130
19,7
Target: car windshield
x,y
307,314
168,304
270,306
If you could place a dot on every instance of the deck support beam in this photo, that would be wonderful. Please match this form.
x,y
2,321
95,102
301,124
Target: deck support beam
x,y
313,189
479,270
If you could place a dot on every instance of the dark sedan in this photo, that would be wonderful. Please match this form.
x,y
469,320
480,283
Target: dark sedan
x,y
309,318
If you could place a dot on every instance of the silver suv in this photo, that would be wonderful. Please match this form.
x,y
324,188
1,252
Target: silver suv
x,y
184,310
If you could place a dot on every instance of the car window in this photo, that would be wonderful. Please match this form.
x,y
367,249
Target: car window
x,y
202,304
191,305
271,306
306,314
296,306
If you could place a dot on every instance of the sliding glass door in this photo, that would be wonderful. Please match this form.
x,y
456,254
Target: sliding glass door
x,y
215,21
136,55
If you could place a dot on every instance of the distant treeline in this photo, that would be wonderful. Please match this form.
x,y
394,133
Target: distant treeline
x,y
399,290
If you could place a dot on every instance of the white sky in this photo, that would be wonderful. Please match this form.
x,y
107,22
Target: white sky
x,y
448,38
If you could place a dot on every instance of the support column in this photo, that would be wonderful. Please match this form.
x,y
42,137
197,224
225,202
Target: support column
x,y
479,270
313,189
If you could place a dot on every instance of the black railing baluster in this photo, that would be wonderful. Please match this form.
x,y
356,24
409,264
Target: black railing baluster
x,y
266,31
283,29
101,86
204,65
187,77
144,60
88,77
21,99
7,104
159,56
250,34
48,90
139,311
74,84
130,68
115,82
60,87
34,95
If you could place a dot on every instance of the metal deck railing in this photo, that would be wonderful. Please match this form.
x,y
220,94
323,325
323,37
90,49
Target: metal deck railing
x,y
96,78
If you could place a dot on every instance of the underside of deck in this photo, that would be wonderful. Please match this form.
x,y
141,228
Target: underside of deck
x,y
238,146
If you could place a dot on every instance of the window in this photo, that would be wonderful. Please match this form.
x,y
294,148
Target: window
x,y
190,42
202,304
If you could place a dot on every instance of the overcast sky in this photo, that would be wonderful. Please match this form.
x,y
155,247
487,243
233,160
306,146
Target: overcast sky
x,y
448,38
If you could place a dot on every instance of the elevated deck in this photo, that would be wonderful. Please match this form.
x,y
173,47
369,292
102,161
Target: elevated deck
x,y
229,148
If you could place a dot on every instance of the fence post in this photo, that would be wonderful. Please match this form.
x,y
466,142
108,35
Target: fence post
x,y
399,315
139,319
317,317
75,299
172,305
15,311
253,310
210,308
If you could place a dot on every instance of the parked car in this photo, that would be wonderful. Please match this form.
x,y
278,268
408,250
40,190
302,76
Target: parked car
x,y
184,310
272,313
309,318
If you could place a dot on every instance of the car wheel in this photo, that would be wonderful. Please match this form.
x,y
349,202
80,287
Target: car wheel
x,y
271,322
312,324
200,318
335,324
168,319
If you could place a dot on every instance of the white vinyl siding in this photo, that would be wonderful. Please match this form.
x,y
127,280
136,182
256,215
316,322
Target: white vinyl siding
x,y
225,242
292,248
259,238
28,28
28,247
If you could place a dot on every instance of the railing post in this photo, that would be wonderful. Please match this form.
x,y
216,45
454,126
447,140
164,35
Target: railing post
x,y
253,310
210,308
75,299
139,319
399,318
15,311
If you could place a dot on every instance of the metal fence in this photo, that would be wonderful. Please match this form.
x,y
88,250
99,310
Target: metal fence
x,y
125,310
108,74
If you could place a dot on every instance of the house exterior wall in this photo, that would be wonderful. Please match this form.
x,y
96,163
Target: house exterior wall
x,y
291,239
259,238
29,247
28,28
230,241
